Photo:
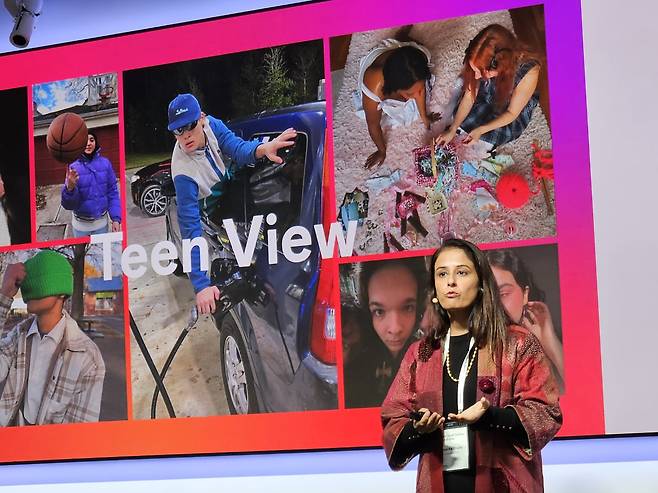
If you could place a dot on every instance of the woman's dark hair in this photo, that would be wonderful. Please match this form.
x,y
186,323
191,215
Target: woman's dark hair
x,y
487,321
404,67
506,259
417,269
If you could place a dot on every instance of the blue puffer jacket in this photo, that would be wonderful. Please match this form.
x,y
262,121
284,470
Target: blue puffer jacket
x,y
96,191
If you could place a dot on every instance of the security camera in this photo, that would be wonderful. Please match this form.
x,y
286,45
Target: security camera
x,y
25,13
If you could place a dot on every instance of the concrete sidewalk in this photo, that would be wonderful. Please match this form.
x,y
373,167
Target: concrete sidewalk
x,y
53,221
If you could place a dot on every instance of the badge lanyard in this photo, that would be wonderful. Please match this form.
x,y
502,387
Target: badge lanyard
x,y
462,372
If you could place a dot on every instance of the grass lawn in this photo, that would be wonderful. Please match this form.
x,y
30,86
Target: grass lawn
x,y
140,160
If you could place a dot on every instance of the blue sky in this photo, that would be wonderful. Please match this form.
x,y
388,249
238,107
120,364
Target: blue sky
x,y
64,21
55,96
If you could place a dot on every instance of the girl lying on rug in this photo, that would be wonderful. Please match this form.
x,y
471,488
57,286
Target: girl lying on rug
x,y
499,89
394,82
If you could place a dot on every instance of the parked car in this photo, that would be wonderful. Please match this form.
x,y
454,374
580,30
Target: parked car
x,y
278,341
146,188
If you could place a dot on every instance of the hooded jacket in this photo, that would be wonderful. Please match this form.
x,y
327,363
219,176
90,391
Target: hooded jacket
x,y
96,191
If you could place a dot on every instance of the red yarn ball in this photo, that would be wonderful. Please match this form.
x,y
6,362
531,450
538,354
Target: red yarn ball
x,y
512,190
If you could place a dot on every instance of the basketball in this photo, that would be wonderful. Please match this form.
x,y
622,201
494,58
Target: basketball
x,y
67,137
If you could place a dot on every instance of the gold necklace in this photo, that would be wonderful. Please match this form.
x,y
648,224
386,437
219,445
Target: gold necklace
x,y
468,369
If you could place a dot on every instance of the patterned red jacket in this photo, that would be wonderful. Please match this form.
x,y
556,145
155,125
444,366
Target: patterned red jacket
x,y
522,379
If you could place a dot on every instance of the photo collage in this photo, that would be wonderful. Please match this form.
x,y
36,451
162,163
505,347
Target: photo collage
x,y
251,232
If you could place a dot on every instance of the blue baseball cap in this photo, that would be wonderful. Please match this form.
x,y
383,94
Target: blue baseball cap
x,y
183,110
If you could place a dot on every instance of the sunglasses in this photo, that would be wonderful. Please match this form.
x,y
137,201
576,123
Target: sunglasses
x,y
185,128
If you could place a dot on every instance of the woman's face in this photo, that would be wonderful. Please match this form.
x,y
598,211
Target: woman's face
x,y
513,296
91,144
455,280
393,297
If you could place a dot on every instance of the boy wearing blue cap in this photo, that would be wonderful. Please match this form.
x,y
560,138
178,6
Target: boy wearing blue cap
x,y
50,371
200,174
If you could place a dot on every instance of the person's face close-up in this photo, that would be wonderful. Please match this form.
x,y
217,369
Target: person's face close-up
x,y
91,144
513,296
42,305
193,139
413,90
455,280
392,294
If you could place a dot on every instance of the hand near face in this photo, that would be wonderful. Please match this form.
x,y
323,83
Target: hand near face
x,y
472,414
430,421
11,281
537,319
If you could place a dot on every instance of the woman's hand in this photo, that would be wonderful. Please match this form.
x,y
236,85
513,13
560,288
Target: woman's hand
x,y
430,421
431,118
537,319
376,158
116,226
472,414
446,136
474,136
72,178
269,149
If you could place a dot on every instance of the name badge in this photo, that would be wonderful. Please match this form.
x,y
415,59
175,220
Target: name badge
x,y
455,446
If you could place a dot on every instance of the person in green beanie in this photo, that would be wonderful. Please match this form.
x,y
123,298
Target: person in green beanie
x,y
50,371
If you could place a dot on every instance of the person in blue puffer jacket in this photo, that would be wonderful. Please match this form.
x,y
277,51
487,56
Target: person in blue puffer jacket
x,y
91,192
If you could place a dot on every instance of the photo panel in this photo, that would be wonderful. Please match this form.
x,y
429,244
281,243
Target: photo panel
x,y
15,216
63,341
386,306
76,155
267,354
442,129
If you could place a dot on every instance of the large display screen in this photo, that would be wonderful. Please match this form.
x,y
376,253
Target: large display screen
x,y
292,170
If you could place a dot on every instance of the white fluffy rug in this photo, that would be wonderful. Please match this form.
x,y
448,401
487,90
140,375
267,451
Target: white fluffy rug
x,y
447,41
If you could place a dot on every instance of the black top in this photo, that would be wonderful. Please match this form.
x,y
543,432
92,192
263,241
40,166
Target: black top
x,y
370,374
464,480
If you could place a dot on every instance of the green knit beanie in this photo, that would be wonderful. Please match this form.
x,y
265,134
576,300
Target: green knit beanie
x,y
48,273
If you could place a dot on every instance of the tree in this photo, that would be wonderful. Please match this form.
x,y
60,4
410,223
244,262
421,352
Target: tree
x,y
246,84
76,256
307,72
277,90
